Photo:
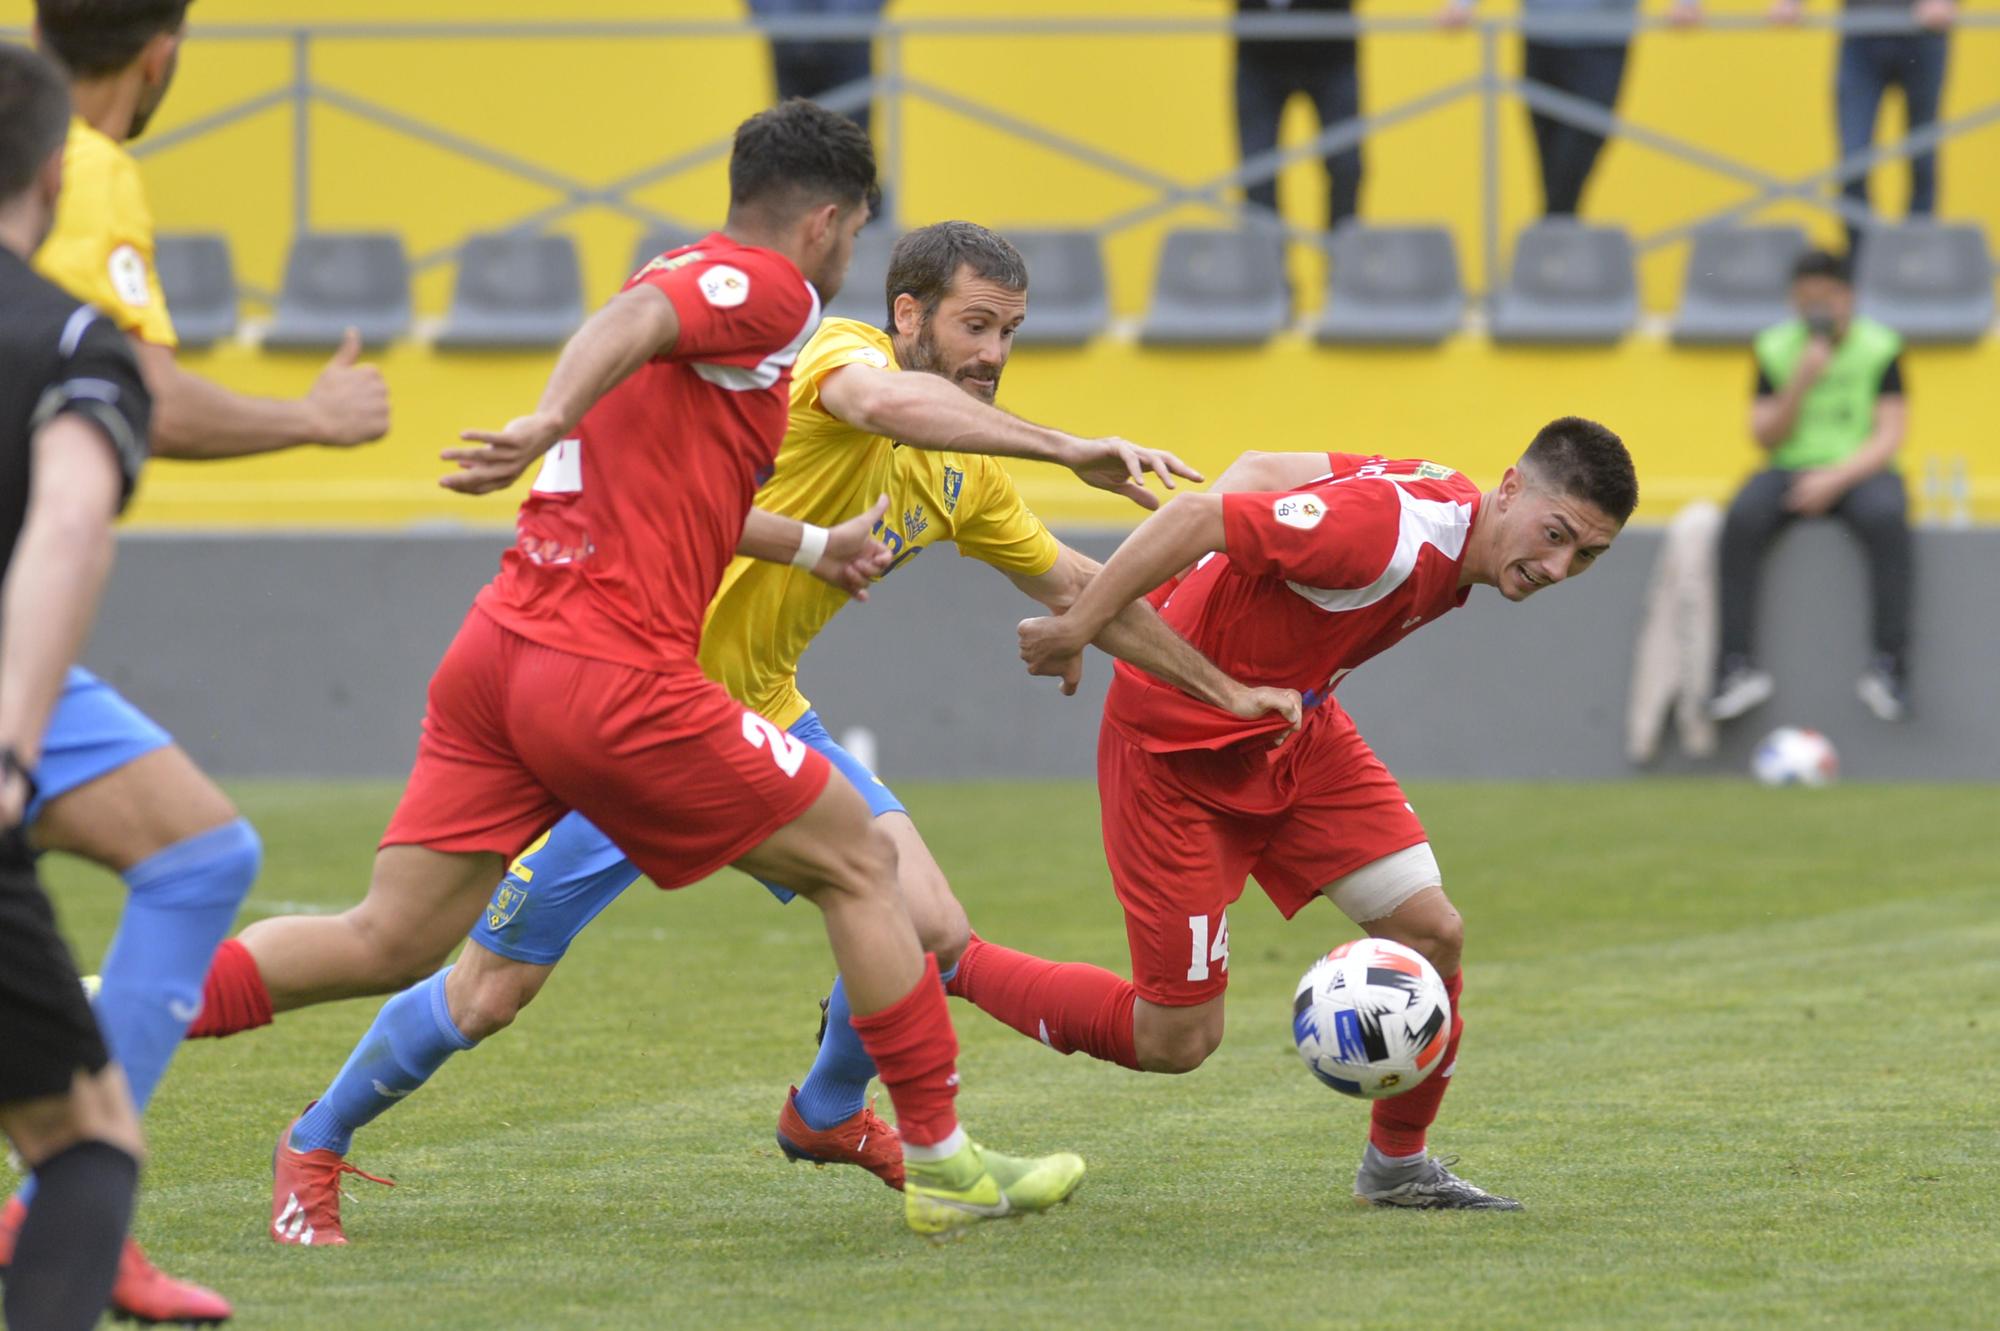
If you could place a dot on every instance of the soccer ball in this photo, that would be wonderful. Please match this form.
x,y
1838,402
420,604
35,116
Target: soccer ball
x,y
1790,756
1371,1018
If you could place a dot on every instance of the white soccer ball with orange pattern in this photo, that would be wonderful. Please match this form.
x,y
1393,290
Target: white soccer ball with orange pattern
x,y
1371,1018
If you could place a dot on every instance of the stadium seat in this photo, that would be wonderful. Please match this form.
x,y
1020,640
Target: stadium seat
x,y
1738,283
1930,281
514,291
1218,288
867,276
1068,300
658,241
200,286
1391,285
1569,283
340,280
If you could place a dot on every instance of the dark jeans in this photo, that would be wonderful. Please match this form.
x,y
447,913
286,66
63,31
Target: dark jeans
x,y
809,69
1267,74
1869,66
1876,511
1569,151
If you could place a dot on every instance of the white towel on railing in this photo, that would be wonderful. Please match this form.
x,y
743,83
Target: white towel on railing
x,y
1673,662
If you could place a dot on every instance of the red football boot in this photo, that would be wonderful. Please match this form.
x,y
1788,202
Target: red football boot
x,y
144,1293
305,1193
863,1140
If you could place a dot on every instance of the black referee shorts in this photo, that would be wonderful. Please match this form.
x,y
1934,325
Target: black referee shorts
x,y
47,1031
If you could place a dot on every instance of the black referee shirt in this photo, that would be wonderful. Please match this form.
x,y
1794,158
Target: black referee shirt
x,y
56,357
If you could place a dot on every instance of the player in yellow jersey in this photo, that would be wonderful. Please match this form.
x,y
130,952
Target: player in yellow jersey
x,y
115,788
861,425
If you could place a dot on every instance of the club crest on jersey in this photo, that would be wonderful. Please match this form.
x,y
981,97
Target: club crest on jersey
x,y
1301,511
954,481
506,904
724,287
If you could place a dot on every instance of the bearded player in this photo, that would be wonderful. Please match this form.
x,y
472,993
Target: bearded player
x,y
903,411
1294,570
574,684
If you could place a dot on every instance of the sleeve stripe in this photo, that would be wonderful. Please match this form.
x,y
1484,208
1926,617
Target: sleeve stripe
x,y
72,333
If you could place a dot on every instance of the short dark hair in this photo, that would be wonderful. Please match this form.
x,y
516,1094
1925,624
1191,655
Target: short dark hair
x,y
1586,461
34,116
925,261
799,155
1823,263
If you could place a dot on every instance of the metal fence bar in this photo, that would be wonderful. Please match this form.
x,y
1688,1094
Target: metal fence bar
x,y
301,132
214,120
1489,132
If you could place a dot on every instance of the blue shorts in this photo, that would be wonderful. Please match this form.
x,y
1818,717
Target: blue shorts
x,y
563,881
93,732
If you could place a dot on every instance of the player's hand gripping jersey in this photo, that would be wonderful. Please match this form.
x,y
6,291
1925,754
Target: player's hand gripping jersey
x,y
766,614
101,247
1316,580
630,524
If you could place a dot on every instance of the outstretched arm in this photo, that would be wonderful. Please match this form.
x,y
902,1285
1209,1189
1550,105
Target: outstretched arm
x,y
846,556
929,411
1137,634
635,326
197,418
1161,547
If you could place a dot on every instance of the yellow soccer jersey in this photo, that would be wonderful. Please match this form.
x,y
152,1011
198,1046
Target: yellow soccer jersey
x,y
101,249
765,614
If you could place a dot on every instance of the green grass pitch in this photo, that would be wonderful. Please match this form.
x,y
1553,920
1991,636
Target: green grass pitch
x,y
1735,1049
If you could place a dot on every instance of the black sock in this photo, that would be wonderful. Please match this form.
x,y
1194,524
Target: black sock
x,y
67,1254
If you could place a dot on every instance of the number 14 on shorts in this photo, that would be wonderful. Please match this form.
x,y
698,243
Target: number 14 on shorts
x,y
1205,948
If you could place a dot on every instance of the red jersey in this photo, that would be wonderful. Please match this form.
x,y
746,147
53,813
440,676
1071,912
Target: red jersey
x,y
1315,581
622,542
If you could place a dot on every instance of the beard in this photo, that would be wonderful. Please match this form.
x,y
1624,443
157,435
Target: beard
x,y
926,356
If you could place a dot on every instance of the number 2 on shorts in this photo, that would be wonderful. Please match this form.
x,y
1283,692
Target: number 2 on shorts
x,y
787,751
1203,951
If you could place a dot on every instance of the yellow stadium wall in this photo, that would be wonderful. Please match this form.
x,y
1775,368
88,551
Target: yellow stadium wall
x,y
597,109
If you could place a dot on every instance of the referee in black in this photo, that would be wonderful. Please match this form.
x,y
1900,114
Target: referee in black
x,y
73,420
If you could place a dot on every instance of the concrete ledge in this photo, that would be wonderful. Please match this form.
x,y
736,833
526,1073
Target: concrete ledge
x,y
308,656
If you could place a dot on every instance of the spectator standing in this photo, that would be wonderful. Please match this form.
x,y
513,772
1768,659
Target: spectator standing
x,y
1830,412
1870,64
1590,65
811,69
1270,73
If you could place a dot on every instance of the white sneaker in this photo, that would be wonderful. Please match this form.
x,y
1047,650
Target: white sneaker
x,y
1743,688
1882,692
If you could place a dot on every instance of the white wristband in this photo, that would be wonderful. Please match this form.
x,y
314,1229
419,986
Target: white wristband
x,y
812,545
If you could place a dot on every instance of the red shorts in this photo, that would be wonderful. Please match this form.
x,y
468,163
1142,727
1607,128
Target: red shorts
x,y
682,777
1182,832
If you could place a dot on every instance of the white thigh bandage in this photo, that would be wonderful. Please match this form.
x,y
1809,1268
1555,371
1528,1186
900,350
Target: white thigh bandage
x,y
1377,888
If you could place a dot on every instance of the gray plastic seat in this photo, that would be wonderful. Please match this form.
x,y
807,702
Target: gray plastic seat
x,y
200,286
1069,301
1570,283
340,280
658,241
1218,288
1930,281
861,294
1391,286
1738,284
514,291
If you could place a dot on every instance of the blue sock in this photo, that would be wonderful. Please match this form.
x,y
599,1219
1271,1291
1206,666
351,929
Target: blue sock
x,y
179,905
837,1087
412,1036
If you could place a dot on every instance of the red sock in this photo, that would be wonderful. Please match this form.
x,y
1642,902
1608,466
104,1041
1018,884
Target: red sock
x,y
233,998
1398,1124
916,1056
1068,1005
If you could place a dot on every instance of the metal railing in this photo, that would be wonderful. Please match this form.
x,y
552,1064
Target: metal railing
x,y
892,86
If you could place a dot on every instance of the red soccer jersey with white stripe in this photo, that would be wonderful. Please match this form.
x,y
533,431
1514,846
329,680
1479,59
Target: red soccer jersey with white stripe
x,y
1316,580
623,540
